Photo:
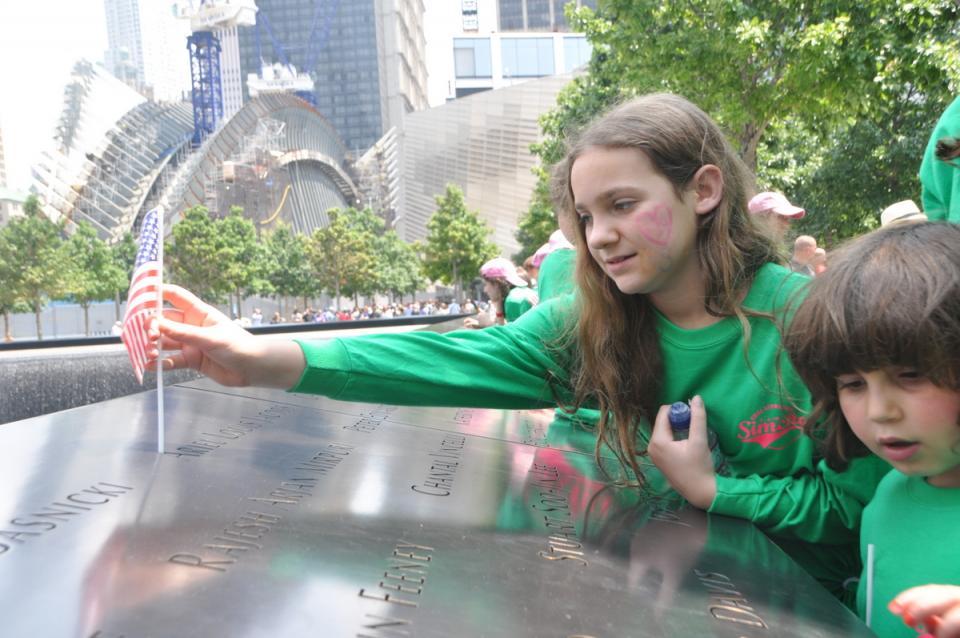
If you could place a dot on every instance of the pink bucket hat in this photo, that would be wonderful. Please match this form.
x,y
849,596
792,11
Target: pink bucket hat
x,y
502,268
774,203
556,242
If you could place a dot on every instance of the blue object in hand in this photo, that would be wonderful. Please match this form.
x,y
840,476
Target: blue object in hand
x,y
680,420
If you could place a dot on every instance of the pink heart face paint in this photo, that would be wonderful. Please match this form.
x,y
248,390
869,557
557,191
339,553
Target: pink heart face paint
x,y
656,224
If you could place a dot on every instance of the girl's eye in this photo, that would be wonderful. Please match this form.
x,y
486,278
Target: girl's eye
x,y
849,383
908,375
583,218
623,204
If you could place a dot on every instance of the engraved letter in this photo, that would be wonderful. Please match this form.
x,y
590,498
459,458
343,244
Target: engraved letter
x,y
192,560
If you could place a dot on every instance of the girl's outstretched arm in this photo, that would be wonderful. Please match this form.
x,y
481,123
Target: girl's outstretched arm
x,y
937,607
197,336
686,464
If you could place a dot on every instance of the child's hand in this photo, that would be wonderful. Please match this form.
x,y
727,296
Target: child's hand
x,y
686,464
204,339
937,607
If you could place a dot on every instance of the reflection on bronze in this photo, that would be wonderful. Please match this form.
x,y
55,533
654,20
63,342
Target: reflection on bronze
x,y
286,515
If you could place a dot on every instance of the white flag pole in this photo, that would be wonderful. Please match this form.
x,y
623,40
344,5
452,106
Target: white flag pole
x,y
160,442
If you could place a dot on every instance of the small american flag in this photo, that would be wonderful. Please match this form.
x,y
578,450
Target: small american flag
x,y
144,287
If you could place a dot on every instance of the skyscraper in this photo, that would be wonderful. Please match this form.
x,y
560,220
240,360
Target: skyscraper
x,y
124,56
147,47
366,58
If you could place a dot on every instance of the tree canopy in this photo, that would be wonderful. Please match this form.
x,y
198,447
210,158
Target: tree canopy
x,y
457,241
813,95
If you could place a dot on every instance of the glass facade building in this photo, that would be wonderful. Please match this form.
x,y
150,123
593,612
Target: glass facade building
x,y
365,57
536,15
482,144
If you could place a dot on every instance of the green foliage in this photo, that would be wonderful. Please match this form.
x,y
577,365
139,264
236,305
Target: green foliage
x,y
536,225
10,296
94,273
341,256
36,246
287,269
191,256
814,96
239,256
125,255
399,269
457,240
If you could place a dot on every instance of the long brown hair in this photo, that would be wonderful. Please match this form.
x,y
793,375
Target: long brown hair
x,y
619,362
889,298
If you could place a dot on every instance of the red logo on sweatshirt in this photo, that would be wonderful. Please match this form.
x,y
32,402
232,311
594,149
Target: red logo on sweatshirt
x,y
773,427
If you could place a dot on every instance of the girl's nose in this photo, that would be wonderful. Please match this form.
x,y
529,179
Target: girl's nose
x,y
601,233
883,407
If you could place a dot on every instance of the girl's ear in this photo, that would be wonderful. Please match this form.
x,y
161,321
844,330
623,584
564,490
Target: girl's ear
x,y
708,187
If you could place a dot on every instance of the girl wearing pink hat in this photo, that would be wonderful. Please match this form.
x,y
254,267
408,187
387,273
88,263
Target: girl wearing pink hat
x,y
509,294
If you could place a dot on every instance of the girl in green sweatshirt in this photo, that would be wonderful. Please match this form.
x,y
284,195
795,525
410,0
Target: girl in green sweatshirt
x,y
878,342
679,293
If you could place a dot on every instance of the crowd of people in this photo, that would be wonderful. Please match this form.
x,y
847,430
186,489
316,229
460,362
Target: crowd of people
x,y
831,385
428,307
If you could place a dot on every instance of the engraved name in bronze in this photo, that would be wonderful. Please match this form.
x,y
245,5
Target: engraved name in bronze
x,y
370,421
402,584
25,527
220,436
552,501
445,461
245,534
727,603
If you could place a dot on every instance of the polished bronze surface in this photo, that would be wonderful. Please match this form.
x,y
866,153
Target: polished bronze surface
x,y
273,514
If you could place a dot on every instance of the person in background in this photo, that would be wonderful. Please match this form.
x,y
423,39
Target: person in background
x,y
556,260
804,252
776,210
819,262
905,211
509,294
877,341
531,272
939,172
256,318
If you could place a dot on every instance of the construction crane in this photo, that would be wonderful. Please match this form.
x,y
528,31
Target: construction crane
x,y
283,76
214,48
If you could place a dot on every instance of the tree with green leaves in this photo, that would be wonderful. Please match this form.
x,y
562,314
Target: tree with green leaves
x,y
287,266
239,256
369,228
36,246
10,296
124,256
95,275
399,267
535,227
339,254
787,80
457,241
191,255
749,64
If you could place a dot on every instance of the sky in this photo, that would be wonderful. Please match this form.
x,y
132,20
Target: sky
x,y
39,42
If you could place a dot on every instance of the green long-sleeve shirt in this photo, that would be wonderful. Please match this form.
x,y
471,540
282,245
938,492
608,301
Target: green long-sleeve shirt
x,y
756,410
939,180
